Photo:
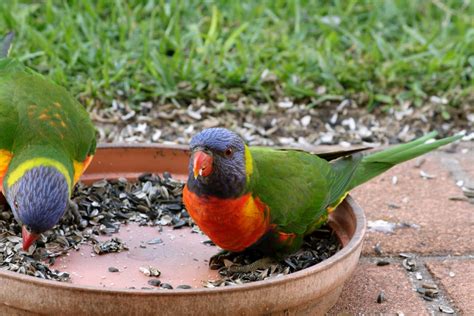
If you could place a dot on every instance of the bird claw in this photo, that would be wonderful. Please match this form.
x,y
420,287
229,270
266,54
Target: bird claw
x,y
217,261
260,264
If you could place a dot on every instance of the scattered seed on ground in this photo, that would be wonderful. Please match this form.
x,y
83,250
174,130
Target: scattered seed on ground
x,y
378,249
427,285
155,241
184,287
382,263
446,309
431,293
381,297
113,269
409,264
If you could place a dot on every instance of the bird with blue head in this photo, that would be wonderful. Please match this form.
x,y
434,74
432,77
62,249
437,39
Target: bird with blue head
x,y
38,200
47,140
270,199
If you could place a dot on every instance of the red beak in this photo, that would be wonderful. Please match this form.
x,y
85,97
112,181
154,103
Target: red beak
x,y
202,165
28,238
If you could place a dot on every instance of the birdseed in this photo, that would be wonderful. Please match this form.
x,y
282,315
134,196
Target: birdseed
x,y
317,247
381,297
153,200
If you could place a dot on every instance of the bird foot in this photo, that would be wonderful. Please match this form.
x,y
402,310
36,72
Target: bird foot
x,y
217,261
72,211
260,264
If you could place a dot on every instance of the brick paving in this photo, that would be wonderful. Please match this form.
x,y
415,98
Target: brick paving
x,y
435,229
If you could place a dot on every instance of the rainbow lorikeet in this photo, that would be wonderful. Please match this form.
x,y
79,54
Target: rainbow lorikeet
x,y
269,199
47,140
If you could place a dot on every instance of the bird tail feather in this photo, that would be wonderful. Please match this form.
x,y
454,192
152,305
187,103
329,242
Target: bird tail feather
x,y
374,164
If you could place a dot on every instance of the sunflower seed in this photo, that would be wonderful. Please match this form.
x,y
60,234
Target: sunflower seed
x,y
446,309
150,271
154,282
426,285
155,241
381,263
381,297
378,249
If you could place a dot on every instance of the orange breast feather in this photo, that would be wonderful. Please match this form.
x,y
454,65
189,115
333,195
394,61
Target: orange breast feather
x,y
5,157
232,224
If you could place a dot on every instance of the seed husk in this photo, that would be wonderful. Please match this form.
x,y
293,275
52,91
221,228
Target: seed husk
x,y
382,263
446,309
155,241
154,282
431,293
381,297
113,269
166,286
150,271
409,264
427,285
184,287
378,249
427,298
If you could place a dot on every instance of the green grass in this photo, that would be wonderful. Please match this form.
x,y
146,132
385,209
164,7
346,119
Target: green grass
x,y
387,51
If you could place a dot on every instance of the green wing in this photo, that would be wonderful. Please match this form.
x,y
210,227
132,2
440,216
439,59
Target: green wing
x,y
49,115
294,184
8,111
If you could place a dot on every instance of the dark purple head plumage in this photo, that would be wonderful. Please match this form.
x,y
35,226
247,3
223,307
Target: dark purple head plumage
x,y
227,152
39,198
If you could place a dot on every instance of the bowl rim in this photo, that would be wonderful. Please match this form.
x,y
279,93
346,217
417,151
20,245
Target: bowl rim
x,y
352,245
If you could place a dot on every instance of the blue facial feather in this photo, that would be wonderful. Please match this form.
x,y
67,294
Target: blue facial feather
x,y
39,198
217,140
228,178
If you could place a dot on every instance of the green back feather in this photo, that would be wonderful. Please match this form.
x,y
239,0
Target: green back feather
x,y
294,184
299,187
40,118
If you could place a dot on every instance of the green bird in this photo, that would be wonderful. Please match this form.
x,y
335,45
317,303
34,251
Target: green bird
x,y
47,140
270,199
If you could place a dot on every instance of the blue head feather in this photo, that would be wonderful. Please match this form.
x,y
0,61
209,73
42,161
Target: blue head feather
x,y
39,198
228,178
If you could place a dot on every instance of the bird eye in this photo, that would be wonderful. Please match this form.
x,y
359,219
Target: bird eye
x,y
15,203
228,152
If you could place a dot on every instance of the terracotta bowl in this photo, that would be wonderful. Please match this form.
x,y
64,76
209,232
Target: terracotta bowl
x,y
312,291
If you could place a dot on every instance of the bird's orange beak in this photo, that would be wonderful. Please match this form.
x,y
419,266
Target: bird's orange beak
x,y
28,238
202,164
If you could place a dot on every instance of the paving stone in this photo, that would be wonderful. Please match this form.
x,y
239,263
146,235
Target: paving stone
x,y
444,226
359,295
457,278
467,159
